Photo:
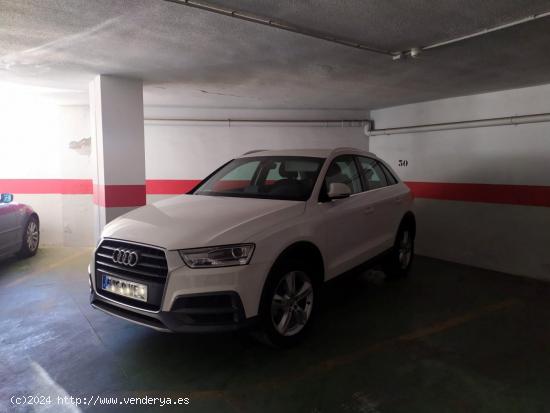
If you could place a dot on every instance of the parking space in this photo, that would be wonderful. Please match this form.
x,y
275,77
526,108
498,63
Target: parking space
x,y
447,337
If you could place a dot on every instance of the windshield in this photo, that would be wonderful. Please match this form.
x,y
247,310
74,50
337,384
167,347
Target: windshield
x,y
271,177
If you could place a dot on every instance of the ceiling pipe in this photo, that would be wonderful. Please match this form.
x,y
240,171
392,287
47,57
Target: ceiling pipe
x,y
259,122
278,24
481,123
415,51
486,31
396,55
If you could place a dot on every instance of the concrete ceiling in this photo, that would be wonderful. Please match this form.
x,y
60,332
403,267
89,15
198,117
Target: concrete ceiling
x,y
195,58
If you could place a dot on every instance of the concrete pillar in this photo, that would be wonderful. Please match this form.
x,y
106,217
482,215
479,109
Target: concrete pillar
x,y
118,147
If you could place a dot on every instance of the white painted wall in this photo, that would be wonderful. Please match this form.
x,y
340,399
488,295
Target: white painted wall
x,y
193,150
507,238
502,237
35,136
176,150
77,212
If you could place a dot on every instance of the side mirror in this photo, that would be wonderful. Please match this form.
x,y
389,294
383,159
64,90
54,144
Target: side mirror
x,y
338,190
6,198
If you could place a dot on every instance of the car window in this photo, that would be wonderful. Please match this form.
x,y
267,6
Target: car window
x,y
243,172
237,178
273,174
344,170
373,175
389,176
276,177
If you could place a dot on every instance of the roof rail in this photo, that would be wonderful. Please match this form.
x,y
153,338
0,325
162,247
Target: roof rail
x,y
253,151
350,148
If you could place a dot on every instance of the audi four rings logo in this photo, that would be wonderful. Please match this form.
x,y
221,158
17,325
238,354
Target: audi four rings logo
x,y
125,257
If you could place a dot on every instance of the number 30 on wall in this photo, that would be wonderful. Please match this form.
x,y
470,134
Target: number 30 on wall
x,y
402,162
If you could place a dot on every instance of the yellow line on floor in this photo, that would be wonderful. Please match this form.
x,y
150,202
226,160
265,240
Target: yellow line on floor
x,y
332,363
423,332
49,267
456,321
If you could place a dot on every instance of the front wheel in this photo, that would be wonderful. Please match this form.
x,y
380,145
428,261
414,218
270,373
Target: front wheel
x,y
401,256
288,305
31,238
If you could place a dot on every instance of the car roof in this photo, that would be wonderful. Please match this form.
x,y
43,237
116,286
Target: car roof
x,y
316,153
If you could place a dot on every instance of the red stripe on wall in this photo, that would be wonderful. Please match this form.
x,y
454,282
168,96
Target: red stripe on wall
x,y
170,186
230,184
490,193
119,195
46,186
133,195
182,186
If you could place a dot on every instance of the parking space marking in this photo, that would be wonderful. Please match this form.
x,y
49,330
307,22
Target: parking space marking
x,y
234,399
424,332
327,365
39,271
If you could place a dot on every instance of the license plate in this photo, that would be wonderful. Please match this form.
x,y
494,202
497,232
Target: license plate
x,y
124,288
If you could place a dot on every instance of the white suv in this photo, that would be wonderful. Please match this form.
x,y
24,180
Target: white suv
x,y
254,242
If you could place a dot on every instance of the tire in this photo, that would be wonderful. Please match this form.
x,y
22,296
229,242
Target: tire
x,y
400,259
289,303
31,238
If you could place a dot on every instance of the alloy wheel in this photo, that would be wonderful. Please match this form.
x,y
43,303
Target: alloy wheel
x,y
292,303
405,250
32,236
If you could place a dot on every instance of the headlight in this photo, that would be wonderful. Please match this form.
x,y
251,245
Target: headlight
x,y
224,256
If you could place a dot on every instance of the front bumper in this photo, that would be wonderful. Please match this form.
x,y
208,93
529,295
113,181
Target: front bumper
x,y
185,317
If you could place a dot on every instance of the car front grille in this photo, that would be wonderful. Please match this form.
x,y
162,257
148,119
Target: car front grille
x,y
151,270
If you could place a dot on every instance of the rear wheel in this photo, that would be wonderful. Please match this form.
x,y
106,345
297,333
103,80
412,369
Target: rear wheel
x,y
400,259
288,304
31,238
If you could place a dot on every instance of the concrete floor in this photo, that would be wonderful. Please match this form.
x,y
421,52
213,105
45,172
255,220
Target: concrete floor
x,y
448,339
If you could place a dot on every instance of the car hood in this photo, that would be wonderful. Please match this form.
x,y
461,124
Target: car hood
x,y
190,221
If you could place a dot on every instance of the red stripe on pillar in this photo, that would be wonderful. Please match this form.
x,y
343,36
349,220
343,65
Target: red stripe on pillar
x,y
119,195
170,186
46,186
490,193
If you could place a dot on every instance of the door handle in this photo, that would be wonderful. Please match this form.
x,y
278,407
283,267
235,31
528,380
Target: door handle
x,y
368,210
